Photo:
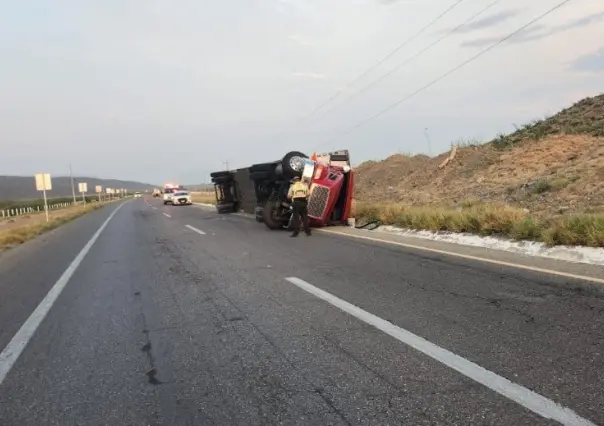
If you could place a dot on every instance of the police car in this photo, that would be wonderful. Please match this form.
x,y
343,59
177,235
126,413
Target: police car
x,y
181,198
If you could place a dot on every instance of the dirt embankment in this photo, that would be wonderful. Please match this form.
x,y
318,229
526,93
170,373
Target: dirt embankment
x,y
552,167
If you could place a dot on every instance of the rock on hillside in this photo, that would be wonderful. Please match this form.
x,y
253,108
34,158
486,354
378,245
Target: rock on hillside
x,y
555,165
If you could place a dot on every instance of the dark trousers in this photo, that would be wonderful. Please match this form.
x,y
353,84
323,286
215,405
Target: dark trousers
x,y
300,206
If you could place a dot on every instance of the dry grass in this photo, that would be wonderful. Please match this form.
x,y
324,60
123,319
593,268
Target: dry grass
x,y
476,217
490,219
543,182
547,166
16,231
204,197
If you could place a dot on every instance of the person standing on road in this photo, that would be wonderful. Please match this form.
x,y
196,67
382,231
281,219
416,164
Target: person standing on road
x,y
298,193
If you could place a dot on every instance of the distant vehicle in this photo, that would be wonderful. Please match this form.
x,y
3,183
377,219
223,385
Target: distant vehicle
x,y
181,198
169,190
156,193
137,195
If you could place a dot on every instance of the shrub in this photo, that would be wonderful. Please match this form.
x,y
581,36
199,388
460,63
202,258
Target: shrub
x,y
490,219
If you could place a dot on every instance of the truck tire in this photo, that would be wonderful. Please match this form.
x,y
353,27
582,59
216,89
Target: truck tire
x,y
292,164
222,179
268,215
220,174
225,208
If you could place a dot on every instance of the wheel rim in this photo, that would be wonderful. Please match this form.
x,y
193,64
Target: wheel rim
x,y
296,163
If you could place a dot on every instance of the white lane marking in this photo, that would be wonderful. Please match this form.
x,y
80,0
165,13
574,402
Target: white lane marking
x,y
452,253
154,208
167,215
15,347
523,396
470,257
192,228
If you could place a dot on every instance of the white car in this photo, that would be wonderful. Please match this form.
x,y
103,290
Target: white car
x,y
181,198
167,196
137,195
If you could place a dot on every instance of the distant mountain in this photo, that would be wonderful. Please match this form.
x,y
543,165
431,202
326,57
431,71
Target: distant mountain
x,y
24,187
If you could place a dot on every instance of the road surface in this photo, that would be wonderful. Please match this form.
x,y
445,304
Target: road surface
x,y
179,316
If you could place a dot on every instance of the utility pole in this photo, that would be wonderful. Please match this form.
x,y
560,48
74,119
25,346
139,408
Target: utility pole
x,y
428,141
72,184
226,163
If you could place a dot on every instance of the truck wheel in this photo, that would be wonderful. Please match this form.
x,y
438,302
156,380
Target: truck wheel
x,y
225,208
293,163
270,215
222,179
220,174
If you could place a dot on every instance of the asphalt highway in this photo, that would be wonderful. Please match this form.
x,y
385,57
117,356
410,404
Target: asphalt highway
x,y
175,315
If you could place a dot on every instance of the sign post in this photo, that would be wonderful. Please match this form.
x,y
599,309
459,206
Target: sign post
x,y
109,191
83,188
98,189
43,183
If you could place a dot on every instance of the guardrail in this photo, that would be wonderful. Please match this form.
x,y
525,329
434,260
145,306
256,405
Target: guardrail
x,y
21,211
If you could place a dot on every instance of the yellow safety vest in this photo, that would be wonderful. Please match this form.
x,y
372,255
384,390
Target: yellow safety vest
x,y
298,190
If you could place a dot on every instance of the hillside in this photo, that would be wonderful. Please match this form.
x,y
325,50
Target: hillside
x,y
24,187
550,166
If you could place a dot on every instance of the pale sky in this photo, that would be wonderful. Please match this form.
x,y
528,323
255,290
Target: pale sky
x,y
157,90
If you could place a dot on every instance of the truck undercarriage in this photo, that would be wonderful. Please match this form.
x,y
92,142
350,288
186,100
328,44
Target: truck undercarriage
x,y
261,189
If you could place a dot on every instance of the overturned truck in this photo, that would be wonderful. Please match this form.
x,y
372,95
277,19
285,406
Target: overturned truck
x,y
261,189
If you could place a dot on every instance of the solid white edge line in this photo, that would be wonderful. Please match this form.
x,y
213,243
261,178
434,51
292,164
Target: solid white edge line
x,y
192,228
15,347
521,395
460,255
470,257
166,214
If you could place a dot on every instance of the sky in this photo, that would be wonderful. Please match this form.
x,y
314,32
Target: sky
x,y
158,91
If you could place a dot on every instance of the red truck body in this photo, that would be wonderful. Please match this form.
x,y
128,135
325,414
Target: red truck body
x,y
331,189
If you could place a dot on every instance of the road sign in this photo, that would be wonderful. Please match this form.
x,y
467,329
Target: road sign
x,y
43,182
98,189
83,188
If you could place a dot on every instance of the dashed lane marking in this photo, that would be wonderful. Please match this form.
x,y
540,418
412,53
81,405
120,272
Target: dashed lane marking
x,y
192,228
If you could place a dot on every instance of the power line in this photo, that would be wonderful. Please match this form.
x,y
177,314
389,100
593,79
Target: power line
x,y
443,76
384,59
408,60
